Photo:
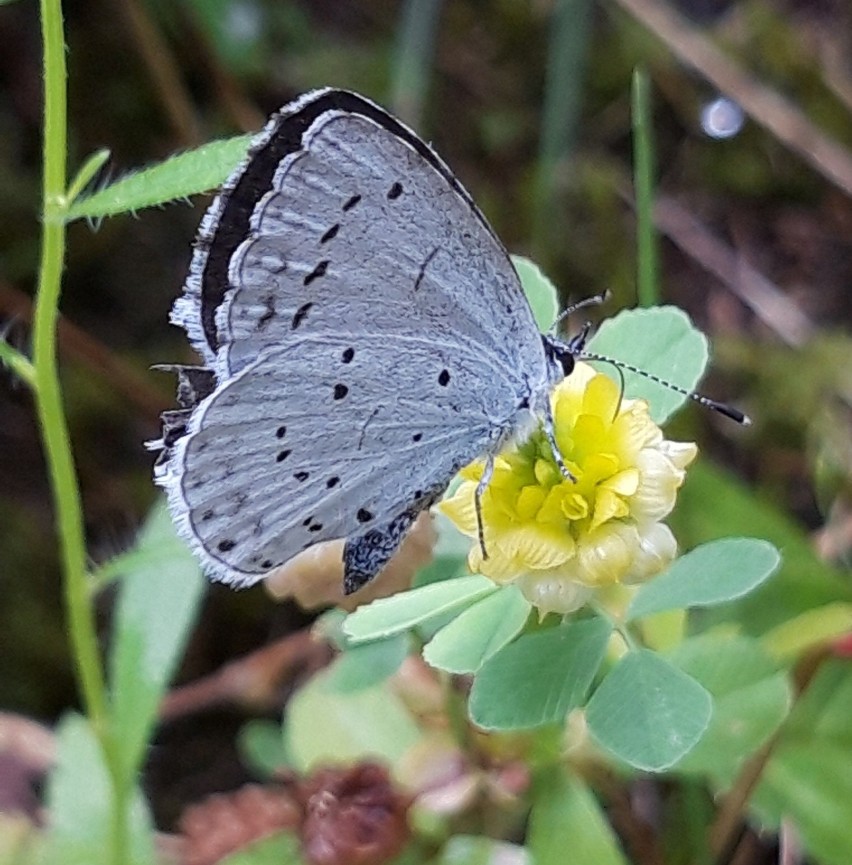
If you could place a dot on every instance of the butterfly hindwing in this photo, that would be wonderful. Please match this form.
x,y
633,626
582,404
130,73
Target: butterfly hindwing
x,y
310,442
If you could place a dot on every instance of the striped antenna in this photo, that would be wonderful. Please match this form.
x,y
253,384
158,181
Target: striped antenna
x,y
594,300
720,407
576,348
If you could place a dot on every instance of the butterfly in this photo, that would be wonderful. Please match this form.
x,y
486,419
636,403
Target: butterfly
x,y
364,335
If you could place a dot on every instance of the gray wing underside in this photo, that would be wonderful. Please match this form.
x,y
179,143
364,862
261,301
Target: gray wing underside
x,y
333,436
358,231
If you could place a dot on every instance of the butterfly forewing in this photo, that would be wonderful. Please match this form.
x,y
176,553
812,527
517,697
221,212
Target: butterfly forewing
x,y
360,230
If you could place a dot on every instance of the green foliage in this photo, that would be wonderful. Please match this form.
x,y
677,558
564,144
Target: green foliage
x,y
662,342
177,177
479,850
388,616
82,798
648,712
261,747
803,582
368,664
566,816
751,697
477,633
323,725
540,677
540,291
809,778
709,575
283,847
156,606
647,257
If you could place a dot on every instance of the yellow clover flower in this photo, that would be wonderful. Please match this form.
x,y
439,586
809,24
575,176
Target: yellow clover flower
x,y
559,540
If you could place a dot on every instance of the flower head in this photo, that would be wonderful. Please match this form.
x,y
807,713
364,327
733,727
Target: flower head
x,y
558,538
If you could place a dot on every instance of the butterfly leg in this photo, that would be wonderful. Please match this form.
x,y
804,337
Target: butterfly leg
x,y
487,474
554,447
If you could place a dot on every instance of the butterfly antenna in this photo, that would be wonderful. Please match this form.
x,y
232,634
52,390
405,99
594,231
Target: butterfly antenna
x,y
594,300
720,407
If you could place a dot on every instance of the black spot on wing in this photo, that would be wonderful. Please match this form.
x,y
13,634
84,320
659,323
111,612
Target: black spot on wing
x,y
351,202
268,313
340,391
331,233
395,191
299,315
317,272
348,354
444,378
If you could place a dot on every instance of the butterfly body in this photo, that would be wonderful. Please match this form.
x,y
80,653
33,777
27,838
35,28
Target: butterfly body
x,y
364,336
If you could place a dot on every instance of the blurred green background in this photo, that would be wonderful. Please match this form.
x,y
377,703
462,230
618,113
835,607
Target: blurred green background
x,y
530,105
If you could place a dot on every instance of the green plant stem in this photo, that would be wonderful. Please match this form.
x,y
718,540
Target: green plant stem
x,y
648,269
415,47
54,427
568,47
618,626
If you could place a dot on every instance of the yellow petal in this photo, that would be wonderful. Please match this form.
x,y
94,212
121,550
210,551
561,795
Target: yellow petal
x,y
460,509
601,398
529,501
551,509
572,387
624,483
598,467
534,549
634,430
588,434
546,472
608,506
605,554
575,506
473,471
495,567
659,482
